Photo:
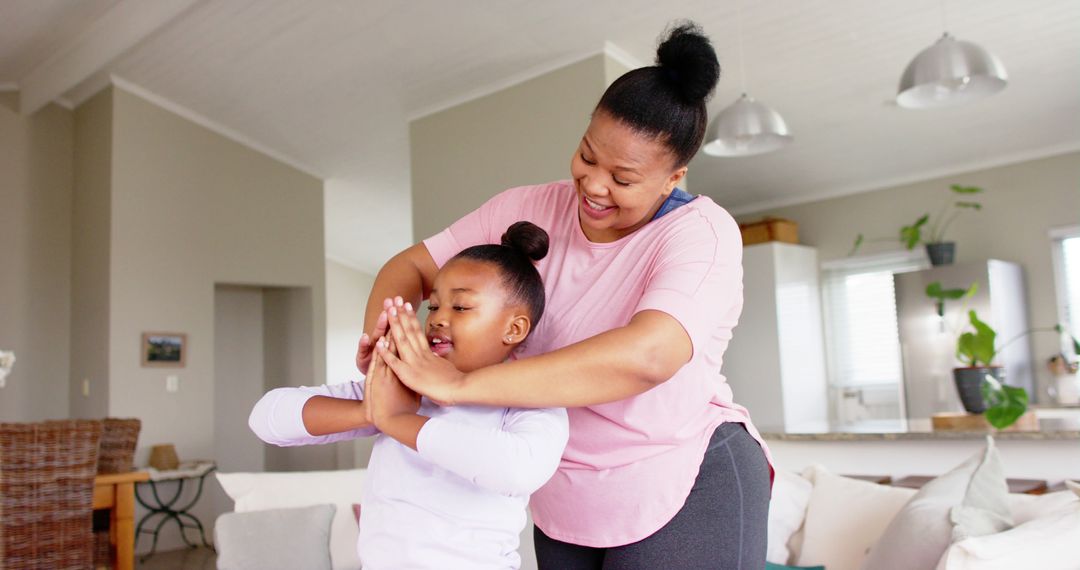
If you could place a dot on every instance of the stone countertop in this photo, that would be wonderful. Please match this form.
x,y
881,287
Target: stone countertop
x,y
1054,428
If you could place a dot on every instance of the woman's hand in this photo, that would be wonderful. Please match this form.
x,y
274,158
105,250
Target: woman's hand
x,y
414,364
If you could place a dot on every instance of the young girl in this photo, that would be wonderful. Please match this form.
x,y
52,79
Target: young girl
x,y
446,487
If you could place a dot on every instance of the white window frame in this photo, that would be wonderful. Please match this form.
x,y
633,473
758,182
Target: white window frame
x,y
1057,236
893,262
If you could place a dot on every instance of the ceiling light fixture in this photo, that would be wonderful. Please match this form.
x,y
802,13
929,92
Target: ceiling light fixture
x,y
950,72
746,127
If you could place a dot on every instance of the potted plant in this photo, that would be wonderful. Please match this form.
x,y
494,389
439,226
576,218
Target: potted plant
x,y
981,385
976,350
932,233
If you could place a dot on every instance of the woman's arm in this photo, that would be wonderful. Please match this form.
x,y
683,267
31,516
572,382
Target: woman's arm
x,y
288,417
611,366
517,459
408,275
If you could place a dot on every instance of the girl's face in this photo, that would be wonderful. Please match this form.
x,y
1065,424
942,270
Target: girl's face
x,y
472,321
622,178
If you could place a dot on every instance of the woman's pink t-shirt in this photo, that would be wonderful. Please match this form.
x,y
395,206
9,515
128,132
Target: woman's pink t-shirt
x,y
629,465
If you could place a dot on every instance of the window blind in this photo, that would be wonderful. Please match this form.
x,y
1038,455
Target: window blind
x,y
862,338
1070,265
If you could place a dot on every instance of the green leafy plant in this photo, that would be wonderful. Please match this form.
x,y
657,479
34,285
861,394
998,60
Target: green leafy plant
x,y
976,348
920,232
1005,404
940,294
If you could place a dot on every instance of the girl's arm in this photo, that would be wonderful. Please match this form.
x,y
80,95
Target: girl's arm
x,y
288,417
611,366
517,459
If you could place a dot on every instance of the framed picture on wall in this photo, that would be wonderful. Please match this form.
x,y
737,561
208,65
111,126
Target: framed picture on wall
x,y
164,349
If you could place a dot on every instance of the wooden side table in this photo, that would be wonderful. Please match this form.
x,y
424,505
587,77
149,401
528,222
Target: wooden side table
x,y
116,492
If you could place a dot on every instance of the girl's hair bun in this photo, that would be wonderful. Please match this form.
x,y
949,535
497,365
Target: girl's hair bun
x,y
527,238
688,62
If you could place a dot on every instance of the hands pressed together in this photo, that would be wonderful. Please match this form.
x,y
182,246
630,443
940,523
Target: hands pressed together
x,y
408,355
400,367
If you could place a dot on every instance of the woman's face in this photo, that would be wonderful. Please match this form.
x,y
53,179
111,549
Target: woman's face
x,y
472,322
622,177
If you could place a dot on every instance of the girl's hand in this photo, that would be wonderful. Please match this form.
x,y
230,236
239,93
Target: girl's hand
x,y
389,397
367,342
414,364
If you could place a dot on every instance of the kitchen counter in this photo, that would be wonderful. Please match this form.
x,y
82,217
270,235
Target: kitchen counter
x,y
1056,427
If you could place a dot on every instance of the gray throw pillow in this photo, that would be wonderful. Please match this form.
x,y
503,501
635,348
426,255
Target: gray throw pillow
x,y
971,500
275,539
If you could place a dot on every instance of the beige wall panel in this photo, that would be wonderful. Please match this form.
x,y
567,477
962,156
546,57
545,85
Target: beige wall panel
x,y
35,274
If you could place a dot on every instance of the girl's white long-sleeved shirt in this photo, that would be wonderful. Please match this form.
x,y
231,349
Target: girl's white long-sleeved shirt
x,y
459,500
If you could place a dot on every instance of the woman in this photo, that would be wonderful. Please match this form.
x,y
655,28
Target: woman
x,y
644,287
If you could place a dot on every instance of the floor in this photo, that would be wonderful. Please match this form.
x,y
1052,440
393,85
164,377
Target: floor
x,y
186,559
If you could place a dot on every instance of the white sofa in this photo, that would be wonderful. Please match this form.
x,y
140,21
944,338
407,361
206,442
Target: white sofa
x,y
820,518
816,518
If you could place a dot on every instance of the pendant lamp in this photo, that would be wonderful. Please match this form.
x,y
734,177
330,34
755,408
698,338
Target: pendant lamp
x,y
746,127
950,72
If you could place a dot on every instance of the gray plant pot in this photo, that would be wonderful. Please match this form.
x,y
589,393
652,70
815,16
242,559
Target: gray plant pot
x,y
969,385
941,253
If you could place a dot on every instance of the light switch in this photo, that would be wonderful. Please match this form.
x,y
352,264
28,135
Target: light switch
x,y
172,383
86,387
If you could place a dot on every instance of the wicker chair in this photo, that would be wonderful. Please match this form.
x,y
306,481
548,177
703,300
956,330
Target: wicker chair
x,y
116,455
46,494
118,441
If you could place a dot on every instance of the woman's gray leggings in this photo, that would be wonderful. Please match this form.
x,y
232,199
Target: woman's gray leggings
x,y
722,524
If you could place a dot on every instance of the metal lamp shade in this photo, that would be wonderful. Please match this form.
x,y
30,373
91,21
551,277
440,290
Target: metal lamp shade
x,y
950,72
745,128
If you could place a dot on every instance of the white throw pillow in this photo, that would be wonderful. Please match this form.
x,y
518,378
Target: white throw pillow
x,y
787,509
262,491
970,500
1051,542
1026,508
844,518
275,538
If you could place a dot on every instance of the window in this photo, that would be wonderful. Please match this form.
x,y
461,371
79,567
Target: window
x,y
1066,253
861,332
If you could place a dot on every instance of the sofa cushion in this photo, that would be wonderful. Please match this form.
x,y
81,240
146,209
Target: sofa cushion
x,y
970,500
275,538
1049,541
844,518
341,488
1026,508
787,509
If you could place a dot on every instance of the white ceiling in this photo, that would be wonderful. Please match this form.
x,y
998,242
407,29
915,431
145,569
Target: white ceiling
x,y
330,85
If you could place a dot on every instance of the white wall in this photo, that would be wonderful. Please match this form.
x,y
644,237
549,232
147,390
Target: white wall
x,y
1052,460
347,290
524,134
35,257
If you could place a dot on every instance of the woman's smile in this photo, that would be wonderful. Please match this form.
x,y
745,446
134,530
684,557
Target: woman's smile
x,y
594,209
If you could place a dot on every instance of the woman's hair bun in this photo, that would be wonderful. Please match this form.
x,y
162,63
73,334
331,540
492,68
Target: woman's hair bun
x,y
528,238
688,62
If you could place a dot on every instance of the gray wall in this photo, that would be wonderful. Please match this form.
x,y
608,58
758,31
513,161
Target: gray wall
x,y
35,238
190,209
1022,201
524,134
90,257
